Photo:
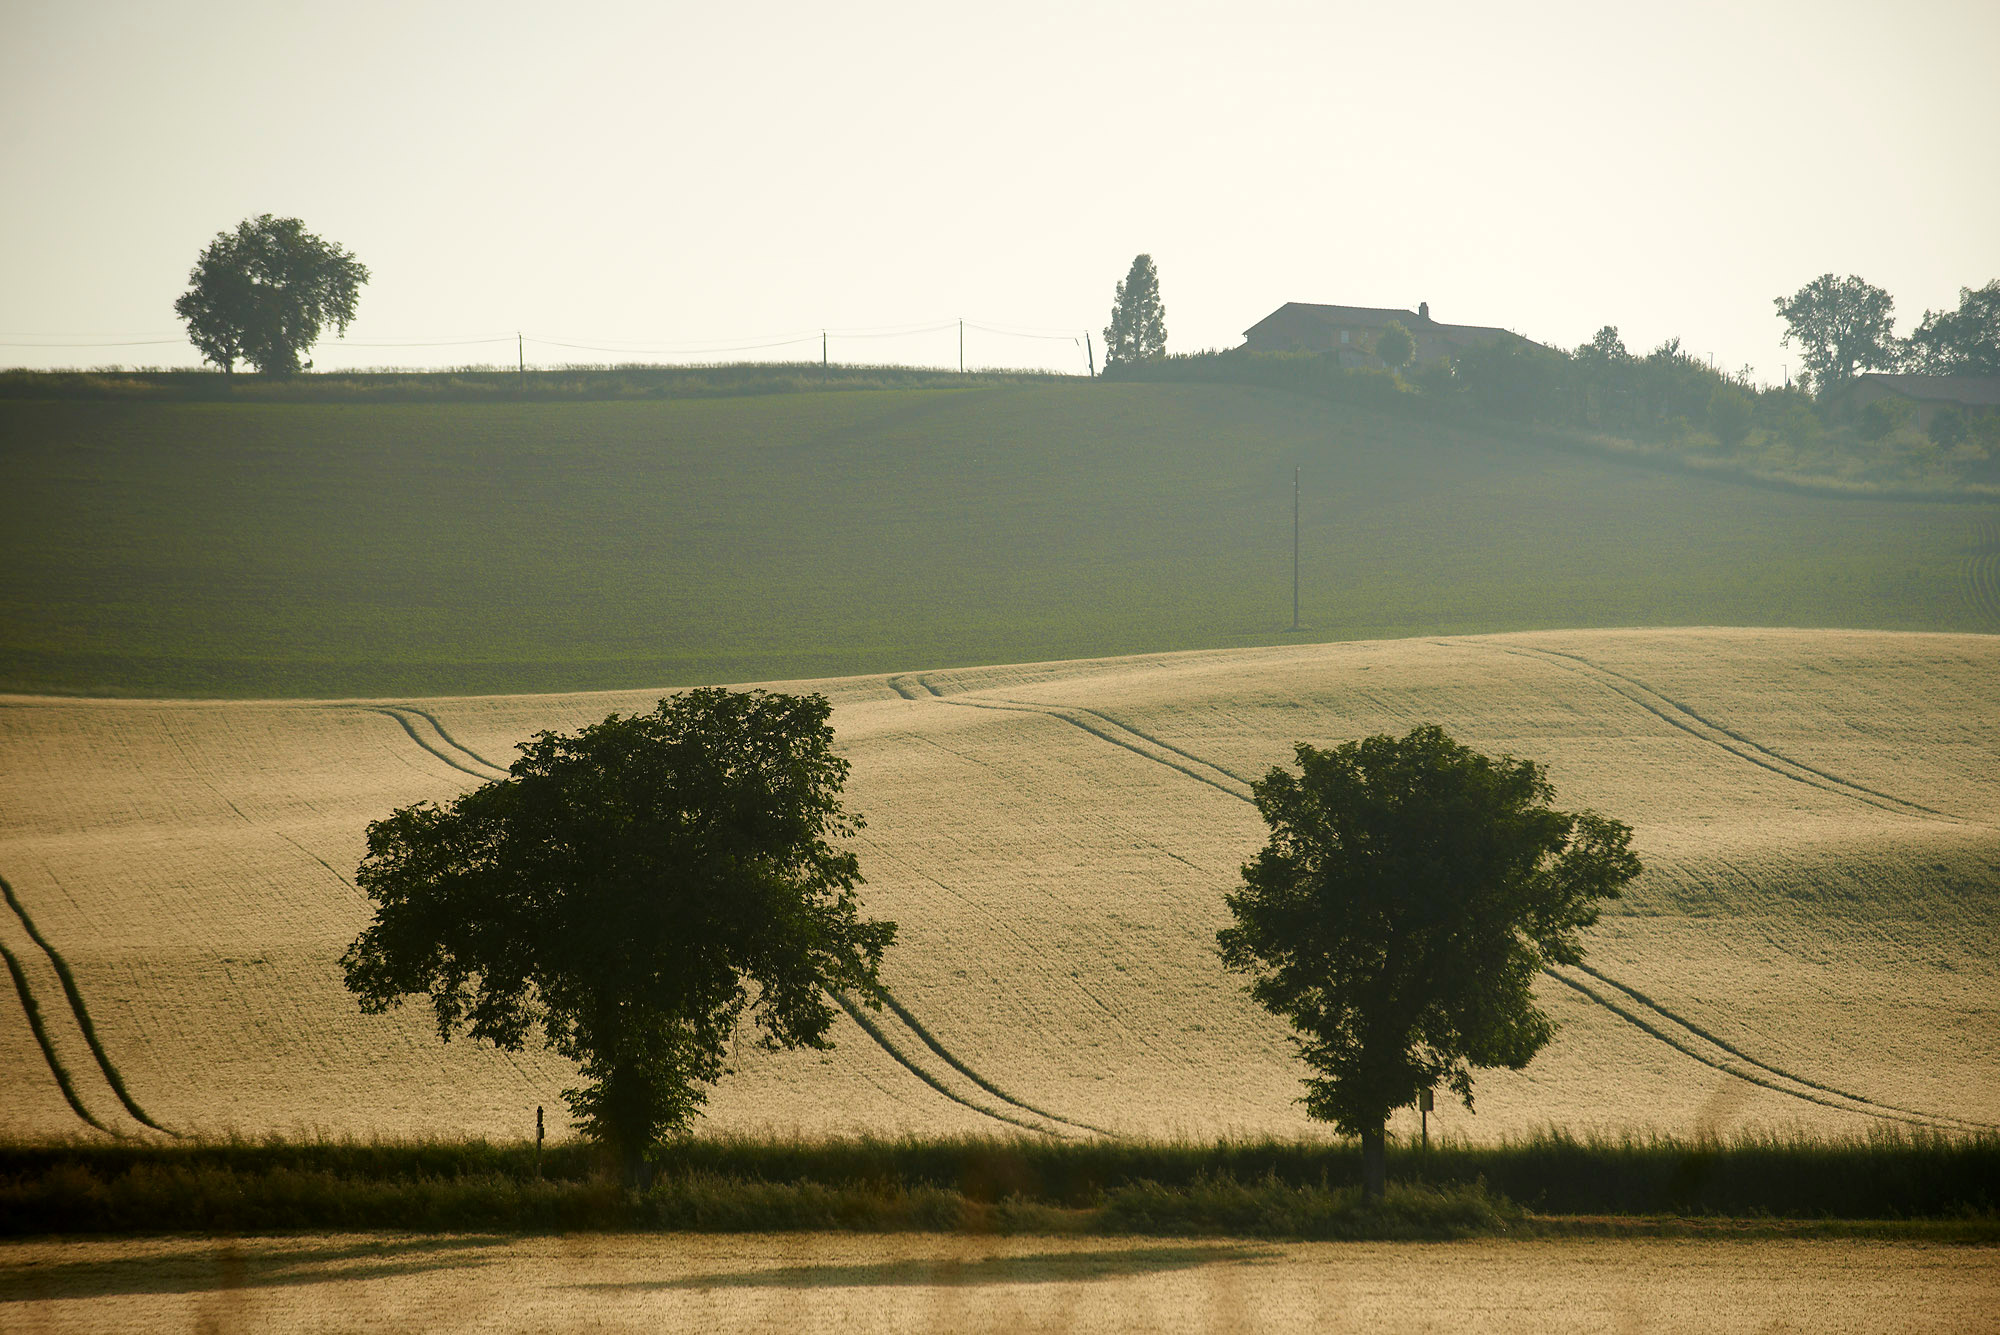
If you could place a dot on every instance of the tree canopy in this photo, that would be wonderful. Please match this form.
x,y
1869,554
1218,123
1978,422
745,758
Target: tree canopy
x,y
1395,346
1961,342
628,893
1410,891
262,293
1138,328
1840,325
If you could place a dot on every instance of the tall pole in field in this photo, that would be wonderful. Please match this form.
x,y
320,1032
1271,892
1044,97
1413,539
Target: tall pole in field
x,y
1295,548
822,356
1090,350
961,347
520,353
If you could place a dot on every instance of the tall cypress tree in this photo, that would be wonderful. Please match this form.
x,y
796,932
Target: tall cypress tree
x,y
1138,327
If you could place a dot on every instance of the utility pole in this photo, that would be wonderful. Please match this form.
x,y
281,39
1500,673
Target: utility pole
x,y
520,353
961,347
822,356
1295,548
1090,351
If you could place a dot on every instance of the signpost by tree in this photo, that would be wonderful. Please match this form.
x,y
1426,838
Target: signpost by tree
x,y
1138,327
629,894
1409,894
262,293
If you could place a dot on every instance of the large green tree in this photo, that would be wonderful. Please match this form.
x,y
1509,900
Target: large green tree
x,y
1961,342
1138,328
263,292
628,893
1395,346
1841,326
1410,891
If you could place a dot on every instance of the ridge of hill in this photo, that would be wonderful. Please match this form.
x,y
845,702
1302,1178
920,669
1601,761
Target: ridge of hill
x,y
326,549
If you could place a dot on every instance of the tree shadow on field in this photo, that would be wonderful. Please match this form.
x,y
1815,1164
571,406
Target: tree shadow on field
x,y
947,1272
208,1265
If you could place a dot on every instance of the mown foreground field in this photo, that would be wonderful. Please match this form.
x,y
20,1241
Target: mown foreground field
x,y
1814,946
829,1283
325,549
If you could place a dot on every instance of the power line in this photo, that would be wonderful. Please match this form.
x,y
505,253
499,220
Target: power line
x,y
615,346
662,352
129,343
1068,336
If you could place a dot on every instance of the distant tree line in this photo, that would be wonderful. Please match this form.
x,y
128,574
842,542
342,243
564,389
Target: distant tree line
x,y
1844,326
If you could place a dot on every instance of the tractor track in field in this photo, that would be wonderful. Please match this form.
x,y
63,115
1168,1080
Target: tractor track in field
x,y
1778,1071
904,1049
1684,719
1638,1010
406,719
79,1015
1098,726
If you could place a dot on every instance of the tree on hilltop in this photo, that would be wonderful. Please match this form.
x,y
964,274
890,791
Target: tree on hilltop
x,y
629,892
1841,325
1409,893
1138,328
1606,348
262,293
1961,342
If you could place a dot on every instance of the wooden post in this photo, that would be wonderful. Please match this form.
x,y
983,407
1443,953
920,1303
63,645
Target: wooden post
x,y
520,353
1295,548
539,1133
1424,1105
822,356
1090,350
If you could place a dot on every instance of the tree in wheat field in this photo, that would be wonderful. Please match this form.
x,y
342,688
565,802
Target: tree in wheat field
x,y
1138,327
1410,892
629,894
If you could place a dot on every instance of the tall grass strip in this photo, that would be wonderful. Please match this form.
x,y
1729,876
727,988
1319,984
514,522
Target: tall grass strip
x,y
81,1011
1220,1205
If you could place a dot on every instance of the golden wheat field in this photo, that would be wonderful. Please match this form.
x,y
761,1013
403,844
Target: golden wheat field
x,y
1815,942
844,1283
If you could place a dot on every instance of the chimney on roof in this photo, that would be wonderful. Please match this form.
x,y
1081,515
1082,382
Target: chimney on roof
x,y
1423,310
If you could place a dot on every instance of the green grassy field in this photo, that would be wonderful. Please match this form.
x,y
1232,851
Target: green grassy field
x,y
245,549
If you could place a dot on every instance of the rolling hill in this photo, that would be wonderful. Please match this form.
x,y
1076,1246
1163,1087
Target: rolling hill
x,y
1812,944
324,549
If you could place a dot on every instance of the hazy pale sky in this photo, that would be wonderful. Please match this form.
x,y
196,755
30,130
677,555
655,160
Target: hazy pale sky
x,y
656,180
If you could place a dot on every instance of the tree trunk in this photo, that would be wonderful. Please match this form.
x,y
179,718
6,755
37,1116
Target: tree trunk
x,y
632,1160
1374,1163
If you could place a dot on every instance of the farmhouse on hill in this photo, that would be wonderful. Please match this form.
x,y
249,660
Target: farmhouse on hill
x,y
1349,332
1973,395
